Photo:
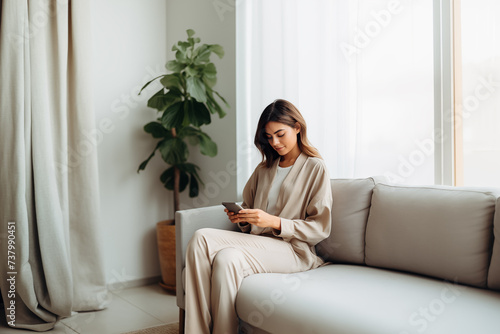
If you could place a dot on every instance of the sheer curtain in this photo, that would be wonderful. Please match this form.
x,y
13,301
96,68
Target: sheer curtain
x,y
481,94
361,73
50,260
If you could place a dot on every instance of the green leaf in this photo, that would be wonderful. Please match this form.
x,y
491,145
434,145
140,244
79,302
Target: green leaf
x,y
143,164
175,66
199,114
196,113
194,188
202,54
209,75
187,107
174,151
193,140
185,132
181,57
157,101
207,145
157,130
210,82
196,89
174,95
150,81
217,49
190,168
189,133
183,182
173,116
168,179
194,177
190,33
161,100
209,70
181,46
191,71
213,106
171,81
223,100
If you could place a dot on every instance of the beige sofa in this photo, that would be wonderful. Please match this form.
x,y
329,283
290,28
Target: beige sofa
x,y
403,260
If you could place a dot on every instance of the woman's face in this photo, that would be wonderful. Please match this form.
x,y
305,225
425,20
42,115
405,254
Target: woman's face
x,y
282,137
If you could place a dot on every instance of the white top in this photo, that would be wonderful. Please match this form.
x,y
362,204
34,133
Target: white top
x,y
281,173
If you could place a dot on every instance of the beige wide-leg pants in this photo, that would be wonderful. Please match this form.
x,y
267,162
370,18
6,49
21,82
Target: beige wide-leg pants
x,y
216,263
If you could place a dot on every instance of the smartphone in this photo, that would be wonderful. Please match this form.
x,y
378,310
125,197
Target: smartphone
x,y
232,206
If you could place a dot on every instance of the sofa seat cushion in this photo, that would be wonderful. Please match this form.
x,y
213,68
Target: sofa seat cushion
x,y
354,299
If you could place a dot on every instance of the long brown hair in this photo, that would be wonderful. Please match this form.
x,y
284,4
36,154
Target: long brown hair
x,y
281,111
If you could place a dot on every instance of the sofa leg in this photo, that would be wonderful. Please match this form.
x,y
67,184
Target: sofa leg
x,y
182,319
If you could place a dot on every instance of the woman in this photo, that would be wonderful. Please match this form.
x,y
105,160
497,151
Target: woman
x,y
287,203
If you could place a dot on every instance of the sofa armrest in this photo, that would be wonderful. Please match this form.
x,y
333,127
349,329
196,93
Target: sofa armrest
x,y
186,223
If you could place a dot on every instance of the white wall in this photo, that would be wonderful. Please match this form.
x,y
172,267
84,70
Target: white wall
x,y
131,44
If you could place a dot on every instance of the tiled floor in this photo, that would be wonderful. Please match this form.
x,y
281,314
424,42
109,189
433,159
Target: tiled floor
x,y
130,309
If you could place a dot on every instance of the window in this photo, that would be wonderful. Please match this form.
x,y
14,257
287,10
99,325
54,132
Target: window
x,y
480,91
376,82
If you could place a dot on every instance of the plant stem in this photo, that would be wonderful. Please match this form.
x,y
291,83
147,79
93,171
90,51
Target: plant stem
x,y
177,178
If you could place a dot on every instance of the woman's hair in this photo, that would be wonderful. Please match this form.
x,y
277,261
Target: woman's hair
x,y
284,112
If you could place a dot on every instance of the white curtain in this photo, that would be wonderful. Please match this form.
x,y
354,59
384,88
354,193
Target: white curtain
x,y
361,73
49,203
480,38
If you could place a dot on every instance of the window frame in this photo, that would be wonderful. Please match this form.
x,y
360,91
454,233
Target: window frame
x,y
448,141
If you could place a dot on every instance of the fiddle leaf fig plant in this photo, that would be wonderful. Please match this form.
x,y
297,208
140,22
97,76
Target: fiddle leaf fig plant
x,y
185,102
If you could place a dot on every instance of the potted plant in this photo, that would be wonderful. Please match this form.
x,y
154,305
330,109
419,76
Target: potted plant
x,y
185,102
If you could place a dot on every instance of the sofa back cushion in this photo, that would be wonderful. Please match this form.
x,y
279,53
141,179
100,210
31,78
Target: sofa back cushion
x,y
351,205
443,232
494,272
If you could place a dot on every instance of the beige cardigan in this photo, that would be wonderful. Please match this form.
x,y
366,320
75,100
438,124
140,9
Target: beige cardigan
x,y
304,205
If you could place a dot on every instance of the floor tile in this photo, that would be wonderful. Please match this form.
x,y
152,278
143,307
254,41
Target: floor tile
x,y
119,317
59,328
129,310
153,300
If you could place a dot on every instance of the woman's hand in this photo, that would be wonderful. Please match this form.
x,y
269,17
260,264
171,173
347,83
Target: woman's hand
x,y
233,217
255,217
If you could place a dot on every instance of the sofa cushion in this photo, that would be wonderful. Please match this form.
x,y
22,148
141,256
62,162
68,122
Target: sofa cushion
x,y
494,272
443,232
351,299
351,204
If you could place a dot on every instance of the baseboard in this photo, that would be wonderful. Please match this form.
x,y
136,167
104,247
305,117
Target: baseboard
x,y
134,283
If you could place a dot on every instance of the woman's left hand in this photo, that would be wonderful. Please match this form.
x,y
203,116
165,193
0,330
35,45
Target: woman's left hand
x,y
258,218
